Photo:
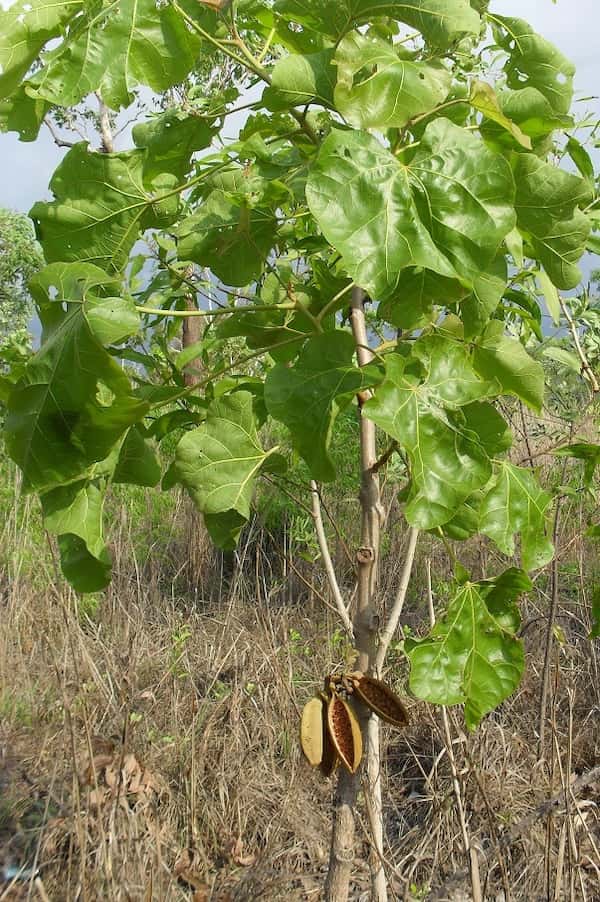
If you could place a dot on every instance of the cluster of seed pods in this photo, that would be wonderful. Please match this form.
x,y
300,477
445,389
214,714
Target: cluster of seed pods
x,y
330,731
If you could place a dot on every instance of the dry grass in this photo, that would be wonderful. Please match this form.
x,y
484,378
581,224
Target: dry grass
x,y
148,747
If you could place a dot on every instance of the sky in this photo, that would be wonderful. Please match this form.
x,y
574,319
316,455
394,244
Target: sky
x,y
573,25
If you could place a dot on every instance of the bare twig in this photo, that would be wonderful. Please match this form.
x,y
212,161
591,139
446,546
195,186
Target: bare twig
x,y
328,563
60,142
392,623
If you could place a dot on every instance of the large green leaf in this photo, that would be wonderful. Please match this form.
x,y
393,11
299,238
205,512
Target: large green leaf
x,y
25,28
505,359
99,203
218,463
308,396
74,513
298,79
448,211
472,654
378,88
170,139
440,21
419,405
516,503
535,63
74,402
547,204
114,48
230,236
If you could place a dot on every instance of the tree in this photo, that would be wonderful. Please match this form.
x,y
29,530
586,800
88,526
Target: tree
x,y
394,178
20,259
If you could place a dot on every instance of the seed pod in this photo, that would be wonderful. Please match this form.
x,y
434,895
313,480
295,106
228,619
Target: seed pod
x,y
311,730
344,730
378,696
331,758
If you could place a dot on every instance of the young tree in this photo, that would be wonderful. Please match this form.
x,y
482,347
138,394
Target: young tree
x,y
397,170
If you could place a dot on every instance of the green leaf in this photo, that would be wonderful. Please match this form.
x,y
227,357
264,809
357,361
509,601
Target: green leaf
x,y
564,357
113,49
581,158
514,246
308,396
170,140
547,204
418,290
488,289
535,63
218,462
483,98
517,504
533,114
224,529
472,655
23,114
74,402
498,357
229,236
420,407
441,22
588,452
551,296
24,30
448,211
298,80
137,463
377,88
74,513
99,202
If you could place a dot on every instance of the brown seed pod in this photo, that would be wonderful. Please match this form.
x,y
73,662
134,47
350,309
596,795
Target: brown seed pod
x,y
344,730
378,696
311,730
331,758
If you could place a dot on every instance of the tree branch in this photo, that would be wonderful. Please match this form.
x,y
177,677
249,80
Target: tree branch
x,y
326,555
108,144
585,364
392,623
60,142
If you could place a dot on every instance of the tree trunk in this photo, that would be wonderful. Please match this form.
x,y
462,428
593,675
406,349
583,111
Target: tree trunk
x,y
365,625
192,333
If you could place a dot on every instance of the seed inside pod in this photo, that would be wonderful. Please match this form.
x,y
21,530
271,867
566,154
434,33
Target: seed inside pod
x,y
382,701
344,730
330,756
311,730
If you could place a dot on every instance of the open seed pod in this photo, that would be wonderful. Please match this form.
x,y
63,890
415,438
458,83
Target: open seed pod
x,y
378,696
311,730
331,759
344,730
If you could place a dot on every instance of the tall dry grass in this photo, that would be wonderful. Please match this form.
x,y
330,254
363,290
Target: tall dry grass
x,y
148,738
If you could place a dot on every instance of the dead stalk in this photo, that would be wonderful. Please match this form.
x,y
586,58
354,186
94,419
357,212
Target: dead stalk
x,y
327,562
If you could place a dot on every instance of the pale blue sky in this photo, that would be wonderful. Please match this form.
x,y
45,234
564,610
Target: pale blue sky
x,y
573,25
